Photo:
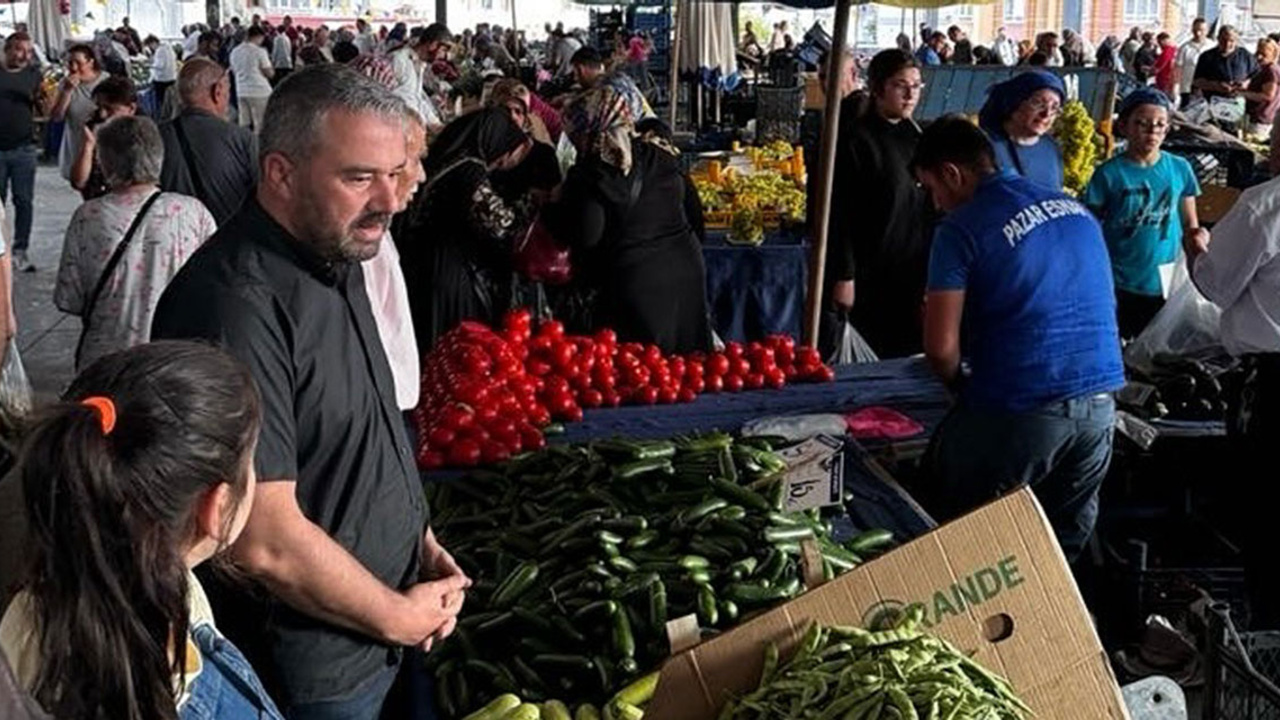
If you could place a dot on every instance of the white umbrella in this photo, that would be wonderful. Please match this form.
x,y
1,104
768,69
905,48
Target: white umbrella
x,y
707,42
49,22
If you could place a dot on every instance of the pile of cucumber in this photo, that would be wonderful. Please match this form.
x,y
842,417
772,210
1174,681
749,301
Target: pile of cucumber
x,y
901,673
581,554
628,704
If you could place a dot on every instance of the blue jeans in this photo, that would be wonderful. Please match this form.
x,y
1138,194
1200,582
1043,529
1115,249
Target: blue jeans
x,y
18,169
1062,451
227,688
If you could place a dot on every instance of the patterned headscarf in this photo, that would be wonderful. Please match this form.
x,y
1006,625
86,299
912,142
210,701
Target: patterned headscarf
x,y
600,122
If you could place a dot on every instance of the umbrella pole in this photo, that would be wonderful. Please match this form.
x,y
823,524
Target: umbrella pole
x,y
821,222
673,89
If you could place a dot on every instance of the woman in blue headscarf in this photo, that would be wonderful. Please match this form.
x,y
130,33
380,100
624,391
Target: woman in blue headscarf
x,y
1018,115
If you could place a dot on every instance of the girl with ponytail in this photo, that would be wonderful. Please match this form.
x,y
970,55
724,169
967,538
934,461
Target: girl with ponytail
x,y
143,473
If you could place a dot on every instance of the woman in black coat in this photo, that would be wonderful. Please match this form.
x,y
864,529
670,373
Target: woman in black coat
x,y
622,211
456,241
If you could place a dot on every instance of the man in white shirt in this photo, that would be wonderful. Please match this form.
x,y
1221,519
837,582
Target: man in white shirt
x,y
282,55
410,63
253,71
365,40
164,67
1005,48
1239,271
1189,55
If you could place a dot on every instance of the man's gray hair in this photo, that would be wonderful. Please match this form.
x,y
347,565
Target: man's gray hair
x,y
295,114
130,151
196,77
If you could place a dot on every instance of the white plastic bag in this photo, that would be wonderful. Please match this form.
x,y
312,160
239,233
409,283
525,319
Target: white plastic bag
x,y
15,390
1188,325
851,348
566,153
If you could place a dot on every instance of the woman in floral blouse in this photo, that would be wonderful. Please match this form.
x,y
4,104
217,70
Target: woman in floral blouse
x,y
169,229
456,241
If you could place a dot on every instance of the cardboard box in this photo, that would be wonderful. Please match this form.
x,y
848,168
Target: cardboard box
x,y
995,572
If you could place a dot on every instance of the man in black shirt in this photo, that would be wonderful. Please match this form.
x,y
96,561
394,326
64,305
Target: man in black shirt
x,y
205,156
1224,70
337,536
20,93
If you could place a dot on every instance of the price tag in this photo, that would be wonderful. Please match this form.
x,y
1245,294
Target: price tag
x,y
683,633
815,476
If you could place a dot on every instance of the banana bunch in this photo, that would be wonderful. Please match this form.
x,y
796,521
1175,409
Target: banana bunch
x,y
747,226
1077,138
774,151
711,195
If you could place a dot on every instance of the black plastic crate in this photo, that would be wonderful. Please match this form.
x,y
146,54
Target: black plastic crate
x,y
778,113
1171,591
1242,672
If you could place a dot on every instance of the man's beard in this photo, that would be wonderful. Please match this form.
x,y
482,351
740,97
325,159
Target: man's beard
x,y
340,244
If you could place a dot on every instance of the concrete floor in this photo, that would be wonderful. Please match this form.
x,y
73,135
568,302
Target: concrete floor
x,y
46,337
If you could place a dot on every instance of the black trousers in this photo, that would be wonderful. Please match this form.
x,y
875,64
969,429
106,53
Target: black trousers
x,y
1254,427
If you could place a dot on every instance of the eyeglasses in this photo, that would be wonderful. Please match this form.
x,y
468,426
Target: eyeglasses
x,y
903,87
1041,107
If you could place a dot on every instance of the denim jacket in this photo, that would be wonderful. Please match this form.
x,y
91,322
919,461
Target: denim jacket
x,y
227,688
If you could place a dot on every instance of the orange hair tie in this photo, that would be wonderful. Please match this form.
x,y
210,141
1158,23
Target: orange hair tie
x,y
106,411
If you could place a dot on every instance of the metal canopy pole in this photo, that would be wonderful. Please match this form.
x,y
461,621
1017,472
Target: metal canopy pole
x,y
821,223
673,90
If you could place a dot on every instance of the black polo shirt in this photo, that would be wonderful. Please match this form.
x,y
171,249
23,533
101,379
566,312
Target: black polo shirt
x,y
1236,67
305,329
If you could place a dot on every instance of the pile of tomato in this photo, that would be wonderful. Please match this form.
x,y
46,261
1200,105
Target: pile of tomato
x,y
487,394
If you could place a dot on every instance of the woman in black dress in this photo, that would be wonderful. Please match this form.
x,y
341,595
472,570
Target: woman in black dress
x,y
622,212
455,242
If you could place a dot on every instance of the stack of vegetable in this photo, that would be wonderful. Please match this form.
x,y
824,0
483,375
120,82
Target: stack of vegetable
x,y
900,673
581,555
628,704
487,395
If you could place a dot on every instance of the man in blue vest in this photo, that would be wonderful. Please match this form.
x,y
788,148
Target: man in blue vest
x,y
1025,270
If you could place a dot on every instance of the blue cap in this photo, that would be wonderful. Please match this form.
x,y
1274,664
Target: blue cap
x,y
1005,97
1143,96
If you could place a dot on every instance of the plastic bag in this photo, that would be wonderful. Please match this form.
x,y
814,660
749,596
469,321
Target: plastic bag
x,y
851,349
15,391
542,258
1188,326
796,428
566,153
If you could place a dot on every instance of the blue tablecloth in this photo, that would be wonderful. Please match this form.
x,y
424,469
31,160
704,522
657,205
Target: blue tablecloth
x,y
906,385
755,291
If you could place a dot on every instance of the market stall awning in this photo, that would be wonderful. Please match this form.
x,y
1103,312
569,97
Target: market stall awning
x,y
708,42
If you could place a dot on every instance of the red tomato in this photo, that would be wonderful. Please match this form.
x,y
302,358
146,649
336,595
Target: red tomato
x,y
687,395
808,358
486,414
607,338
509,367
652,354
574,414
441,437
660,377
694,369
585,345
733,383
430,460
764,357
775,378
791,372
538,367
494,452
785,355
533,439
465,453
714,383
697,385
592,398
739,366
518,318
611,398
474,392
645,395
562,354
734,350
632,348
553,329
718,364
474,361
541,344
457,417
824,374
499,425
754,381
637,376
540,416
668,395
477,433
677,367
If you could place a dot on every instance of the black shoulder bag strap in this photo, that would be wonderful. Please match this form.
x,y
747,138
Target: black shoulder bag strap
x,y
190,160
86,314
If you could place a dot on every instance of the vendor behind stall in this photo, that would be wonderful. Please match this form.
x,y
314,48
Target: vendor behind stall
x,y
1146,201
1017,117
1223,71
1024,268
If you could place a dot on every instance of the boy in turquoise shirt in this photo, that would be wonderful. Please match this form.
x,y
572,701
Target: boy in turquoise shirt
x,y
1145,200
